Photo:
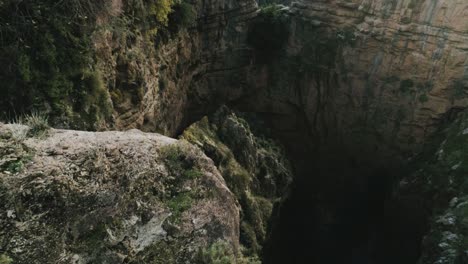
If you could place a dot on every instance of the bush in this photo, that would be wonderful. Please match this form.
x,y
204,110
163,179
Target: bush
x,y
182,16
218,253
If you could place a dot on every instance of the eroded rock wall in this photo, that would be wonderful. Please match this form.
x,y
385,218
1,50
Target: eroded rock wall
x,y
167,87
372,72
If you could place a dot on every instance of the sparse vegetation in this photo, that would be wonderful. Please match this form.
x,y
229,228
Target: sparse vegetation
x,y
13,152
244,176
217,253
179,204
183,16
4,259
50,62
406,86
181,161
38,124
220,252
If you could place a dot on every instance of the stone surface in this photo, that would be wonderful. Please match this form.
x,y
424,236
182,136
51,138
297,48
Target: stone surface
x,y
439,179
167,86
255,168
110,197
382,71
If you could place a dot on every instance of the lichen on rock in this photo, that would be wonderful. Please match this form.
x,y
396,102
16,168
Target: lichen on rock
x,y
112,197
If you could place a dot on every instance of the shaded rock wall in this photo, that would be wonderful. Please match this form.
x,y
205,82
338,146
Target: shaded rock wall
x,y
368,72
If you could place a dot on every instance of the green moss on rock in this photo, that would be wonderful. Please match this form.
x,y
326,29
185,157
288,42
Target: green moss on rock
x,y
253,167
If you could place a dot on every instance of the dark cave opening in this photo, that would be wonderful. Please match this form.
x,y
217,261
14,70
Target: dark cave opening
x,y
343,210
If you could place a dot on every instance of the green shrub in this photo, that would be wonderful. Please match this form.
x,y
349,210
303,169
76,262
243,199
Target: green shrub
x,y
423,98
406,86
149,16
92,99
182,16
217,253
460,89
15,166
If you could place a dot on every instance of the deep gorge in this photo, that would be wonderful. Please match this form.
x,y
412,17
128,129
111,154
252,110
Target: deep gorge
x,y
344,205
234,131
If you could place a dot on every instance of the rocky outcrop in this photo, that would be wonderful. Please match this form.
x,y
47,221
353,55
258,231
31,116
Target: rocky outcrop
x,y
111,197
255,168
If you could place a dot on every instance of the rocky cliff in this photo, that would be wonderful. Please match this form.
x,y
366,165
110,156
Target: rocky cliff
x,y
368,72
188,76
344,86
383,71
376,73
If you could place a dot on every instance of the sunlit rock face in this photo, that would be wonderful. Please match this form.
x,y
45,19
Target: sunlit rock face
x,y
183,79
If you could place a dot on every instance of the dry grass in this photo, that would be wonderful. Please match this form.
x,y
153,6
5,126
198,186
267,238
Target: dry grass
x,y
35,124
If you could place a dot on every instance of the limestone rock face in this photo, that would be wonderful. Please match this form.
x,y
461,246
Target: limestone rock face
x,y
166,85
441,183
111,197
388,70
379,72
